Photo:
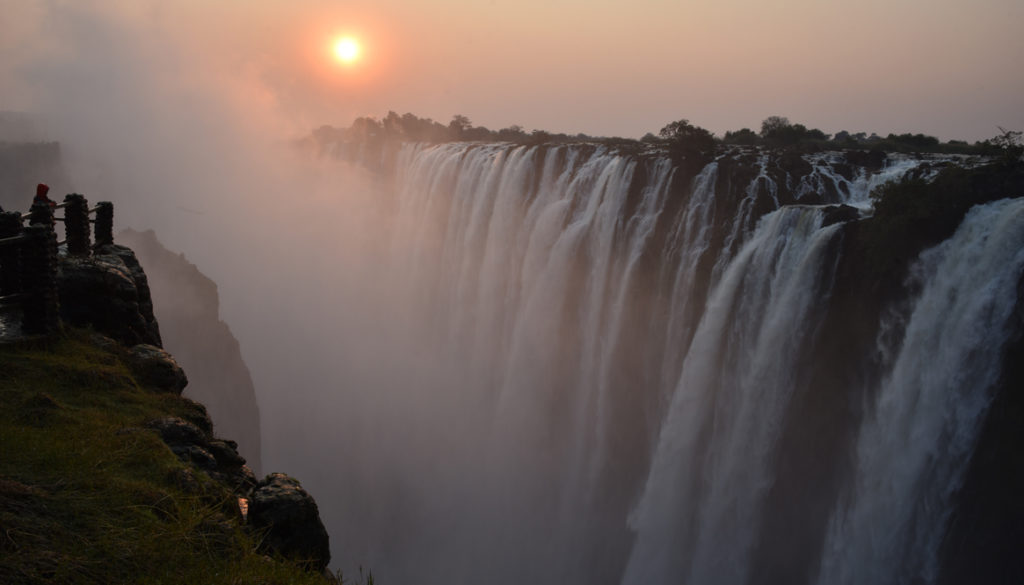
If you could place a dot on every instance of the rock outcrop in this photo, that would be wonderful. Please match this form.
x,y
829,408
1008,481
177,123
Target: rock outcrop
x,y
281,514
109,292
153,366
291,520
195,443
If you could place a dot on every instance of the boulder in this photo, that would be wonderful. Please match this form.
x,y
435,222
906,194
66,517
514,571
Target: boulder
x,y
192,444
839,213
156,368
177,433
110,293
225,453
196,414
131,263
291,519
873,160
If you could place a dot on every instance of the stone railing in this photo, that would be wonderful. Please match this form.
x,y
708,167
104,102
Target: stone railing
x,y
28,255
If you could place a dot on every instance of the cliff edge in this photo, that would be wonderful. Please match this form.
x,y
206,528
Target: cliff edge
x,y
187,305
109,475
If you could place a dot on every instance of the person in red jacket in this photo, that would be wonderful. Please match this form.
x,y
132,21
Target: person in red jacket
x,y
41,191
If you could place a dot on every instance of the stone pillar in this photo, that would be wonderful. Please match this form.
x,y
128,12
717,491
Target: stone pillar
x,y
41,212
41,312
104,223
10,255
76,225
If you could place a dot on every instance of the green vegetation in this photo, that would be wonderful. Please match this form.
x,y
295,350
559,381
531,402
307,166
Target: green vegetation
x,y
682,140
89,495
688,144
410,128
913,214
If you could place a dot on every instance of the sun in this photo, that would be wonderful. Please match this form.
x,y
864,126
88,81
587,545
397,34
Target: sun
x,y
346,50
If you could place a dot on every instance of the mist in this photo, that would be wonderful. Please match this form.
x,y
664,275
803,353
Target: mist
x,y
152,115
194,139
476,449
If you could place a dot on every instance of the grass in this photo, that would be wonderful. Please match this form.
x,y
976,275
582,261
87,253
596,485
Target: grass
x,y
88,495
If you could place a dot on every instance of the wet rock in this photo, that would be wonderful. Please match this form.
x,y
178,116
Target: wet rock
x,y
794,164
291,519
872,160
839,213
155,367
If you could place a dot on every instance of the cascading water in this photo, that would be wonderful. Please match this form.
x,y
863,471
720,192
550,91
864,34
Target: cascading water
x,y
699,509
913,449
613,353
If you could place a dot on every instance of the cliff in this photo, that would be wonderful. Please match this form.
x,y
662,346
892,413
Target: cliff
x,y
187,306
109,475
779,421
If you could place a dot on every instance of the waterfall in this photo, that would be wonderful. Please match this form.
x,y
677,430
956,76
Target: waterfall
x,y
913,450
698,512
593,362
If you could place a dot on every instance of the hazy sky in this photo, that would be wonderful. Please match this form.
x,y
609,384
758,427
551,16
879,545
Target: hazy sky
x,y
177,111
945,67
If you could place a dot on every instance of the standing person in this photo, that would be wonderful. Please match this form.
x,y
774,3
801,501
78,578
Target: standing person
x,y
41,191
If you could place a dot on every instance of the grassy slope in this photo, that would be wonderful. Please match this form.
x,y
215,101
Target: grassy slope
x,y
87,495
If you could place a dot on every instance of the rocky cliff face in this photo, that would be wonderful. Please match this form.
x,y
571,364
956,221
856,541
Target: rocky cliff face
x,y
186,301
187,305
109,292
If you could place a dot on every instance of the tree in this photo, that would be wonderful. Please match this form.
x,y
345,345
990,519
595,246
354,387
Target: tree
x,y
539,137
459,125
684,134
778,131
744,136
773,124
513,133
392,124
689,143
920,142
1008,144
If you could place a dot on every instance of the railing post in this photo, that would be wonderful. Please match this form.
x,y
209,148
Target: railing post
x,y
76,224
10,256
41,312
41,212
104,223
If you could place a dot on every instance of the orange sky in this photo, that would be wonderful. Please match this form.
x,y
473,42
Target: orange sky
x,y
943,67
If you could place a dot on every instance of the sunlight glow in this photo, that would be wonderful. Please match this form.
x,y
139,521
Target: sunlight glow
x,y
346,50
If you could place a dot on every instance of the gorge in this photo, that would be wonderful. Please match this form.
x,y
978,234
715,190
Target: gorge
x,y
616,370
571,363
600,312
